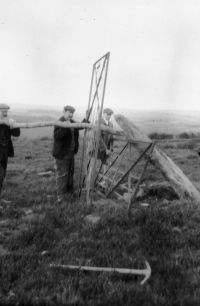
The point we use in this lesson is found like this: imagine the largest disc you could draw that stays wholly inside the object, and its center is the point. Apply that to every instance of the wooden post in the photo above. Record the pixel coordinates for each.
(81, 174)
(129, 177)
(98, 129)
(178, 180)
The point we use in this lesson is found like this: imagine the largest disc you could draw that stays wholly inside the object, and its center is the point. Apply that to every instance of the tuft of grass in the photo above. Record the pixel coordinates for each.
(156, 135)
(188, 135)
(189, 145)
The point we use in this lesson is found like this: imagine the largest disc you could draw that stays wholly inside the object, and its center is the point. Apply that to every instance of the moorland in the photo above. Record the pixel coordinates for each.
(35, 232)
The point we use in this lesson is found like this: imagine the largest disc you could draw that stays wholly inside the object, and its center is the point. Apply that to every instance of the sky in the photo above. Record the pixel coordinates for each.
(48, 47)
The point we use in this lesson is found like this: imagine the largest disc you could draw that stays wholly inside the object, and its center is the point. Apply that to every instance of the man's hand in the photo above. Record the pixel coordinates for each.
(85, 121)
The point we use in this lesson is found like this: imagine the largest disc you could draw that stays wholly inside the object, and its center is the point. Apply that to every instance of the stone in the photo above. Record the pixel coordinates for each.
(4, 222)
(27, 211)
(192, 277)
(92, 219)
(3, 251)
(144, 204)
(162, 190)
(140, 193)
(45, 174)
(32, 217)
(176, 229)
(45, 252)
(127, 196)
(6, 202)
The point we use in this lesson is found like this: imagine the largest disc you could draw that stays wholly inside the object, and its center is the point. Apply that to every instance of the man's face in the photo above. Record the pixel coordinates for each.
(107, 116)
(4, 113)
(68, 115)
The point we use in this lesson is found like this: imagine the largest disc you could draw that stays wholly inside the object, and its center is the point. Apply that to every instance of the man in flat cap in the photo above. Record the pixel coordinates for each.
(106, 138)
(65, 146)
(6, 145)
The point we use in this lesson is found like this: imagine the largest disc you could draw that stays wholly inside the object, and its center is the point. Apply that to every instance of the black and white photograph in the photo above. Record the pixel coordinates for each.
(100, 152)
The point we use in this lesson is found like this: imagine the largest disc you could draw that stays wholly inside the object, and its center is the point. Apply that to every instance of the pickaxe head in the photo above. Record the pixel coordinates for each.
(147, 273)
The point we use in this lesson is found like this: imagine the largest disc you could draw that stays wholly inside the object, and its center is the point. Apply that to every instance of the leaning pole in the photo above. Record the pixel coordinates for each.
(79, 125)
(178, 180)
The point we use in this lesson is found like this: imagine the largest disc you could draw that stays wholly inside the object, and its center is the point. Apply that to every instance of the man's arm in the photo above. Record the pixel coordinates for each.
(10, 122)
(83, 121)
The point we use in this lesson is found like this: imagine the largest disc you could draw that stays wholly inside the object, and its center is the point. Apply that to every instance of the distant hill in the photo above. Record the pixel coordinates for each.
(173, 122)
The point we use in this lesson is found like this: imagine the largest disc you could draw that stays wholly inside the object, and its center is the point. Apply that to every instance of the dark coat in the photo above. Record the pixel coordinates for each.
(5, 139)
(105, 142)
(62, 140)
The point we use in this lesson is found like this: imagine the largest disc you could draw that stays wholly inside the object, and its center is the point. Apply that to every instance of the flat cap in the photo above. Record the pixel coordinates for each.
(108, 111)
(69, 108)
(4, 106)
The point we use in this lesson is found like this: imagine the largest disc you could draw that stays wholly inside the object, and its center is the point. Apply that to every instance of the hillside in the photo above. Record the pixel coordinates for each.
(174, 122)
(36, 232)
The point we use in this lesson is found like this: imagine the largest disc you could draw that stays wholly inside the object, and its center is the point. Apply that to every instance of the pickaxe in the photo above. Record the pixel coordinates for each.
(146, 271)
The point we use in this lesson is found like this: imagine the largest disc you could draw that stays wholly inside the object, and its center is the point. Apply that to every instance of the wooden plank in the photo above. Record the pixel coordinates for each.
(179, 181)
(101, 194)
(134, 177)
(130, 175)
(119, 196)
(104, 177)
(27, 125)
(125, 186)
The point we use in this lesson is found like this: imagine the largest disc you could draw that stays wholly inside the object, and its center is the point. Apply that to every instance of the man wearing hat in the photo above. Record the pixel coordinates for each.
(106, 138)
(6, 145)
(65, 146)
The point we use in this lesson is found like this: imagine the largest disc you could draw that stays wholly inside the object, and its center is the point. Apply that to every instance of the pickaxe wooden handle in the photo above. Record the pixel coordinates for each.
(146, 271)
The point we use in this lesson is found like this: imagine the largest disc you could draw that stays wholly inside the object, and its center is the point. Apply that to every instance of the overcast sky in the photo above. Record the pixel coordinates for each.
(48, 47)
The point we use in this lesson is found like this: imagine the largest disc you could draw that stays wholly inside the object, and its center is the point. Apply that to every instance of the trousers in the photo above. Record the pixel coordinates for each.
(64, 175)
(3, 167)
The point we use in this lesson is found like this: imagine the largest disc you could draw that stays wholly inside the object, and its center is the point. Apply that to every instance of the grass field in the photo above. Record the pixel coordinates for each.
(35, 232)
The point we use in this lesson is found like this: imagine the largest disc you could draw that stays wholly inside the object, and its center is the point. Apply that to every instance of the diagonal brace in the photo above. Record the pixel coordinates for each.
(129, 170)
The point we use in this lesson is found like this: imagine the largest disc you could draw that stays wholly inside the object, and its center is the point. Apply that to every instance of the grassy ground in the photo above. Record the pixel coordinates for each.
(36, 231)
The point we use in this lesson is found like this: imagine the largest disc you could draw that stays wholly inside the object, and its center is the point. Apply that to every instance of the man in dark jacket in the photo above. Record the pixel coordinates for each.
(106, 138)
(65, 146)
(6, 145)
